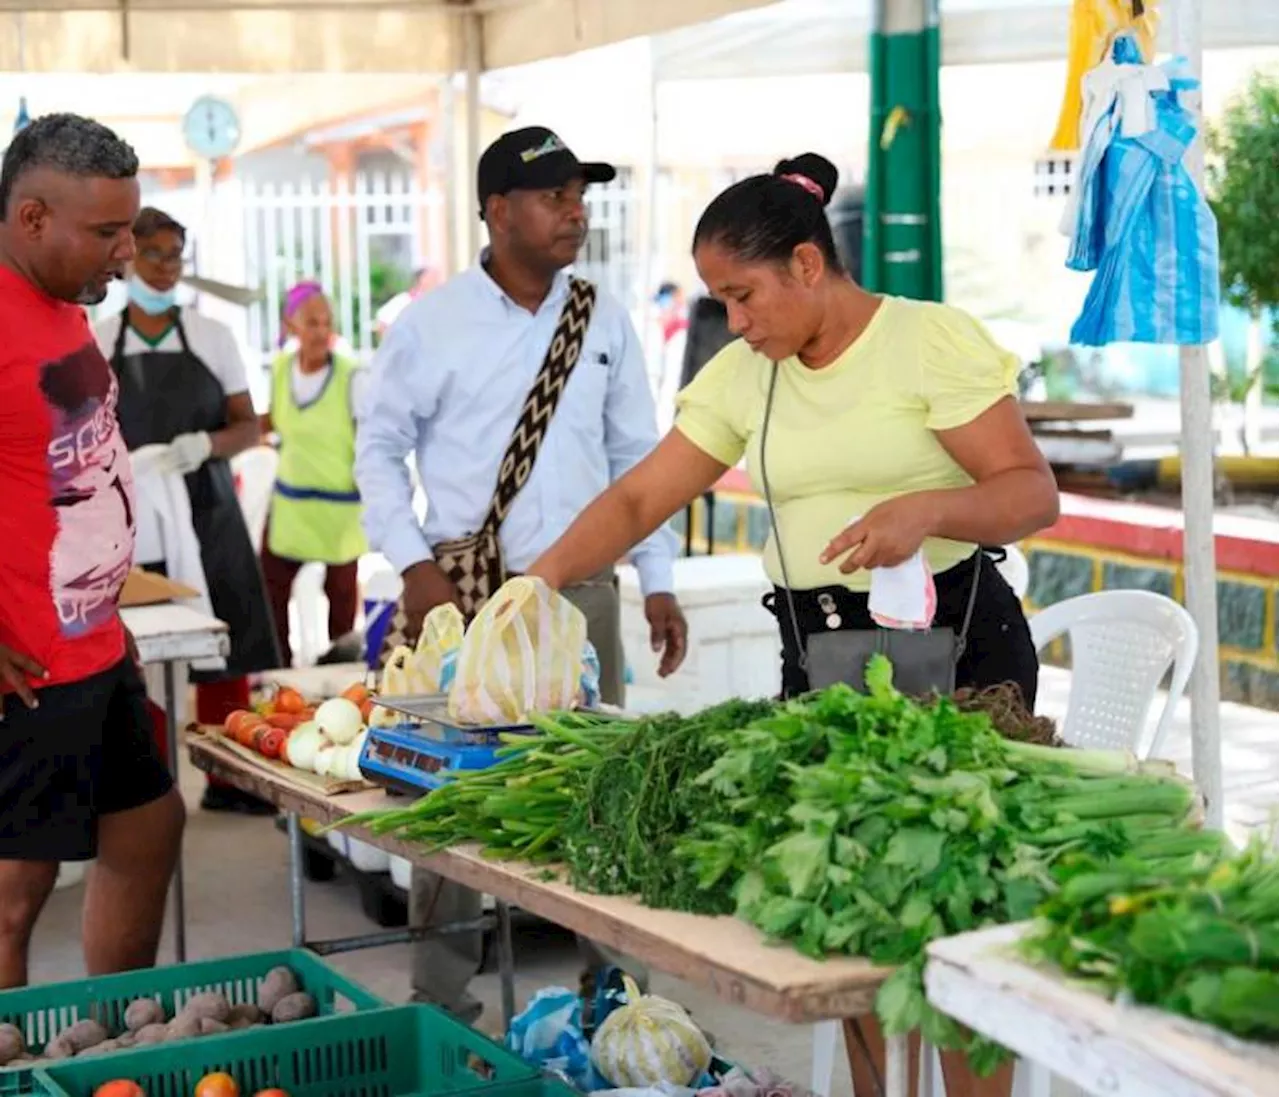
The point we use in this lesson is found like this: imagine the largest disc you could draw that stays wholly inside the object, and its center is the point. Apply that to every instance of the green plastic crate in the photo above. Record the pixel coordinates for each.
(41, 1012)
(400, 1051)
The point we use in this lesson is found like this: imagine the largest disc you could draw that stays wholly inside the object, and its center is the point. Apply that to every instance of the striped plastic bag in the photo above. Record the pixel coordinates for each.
(442, 633)
(521, 654)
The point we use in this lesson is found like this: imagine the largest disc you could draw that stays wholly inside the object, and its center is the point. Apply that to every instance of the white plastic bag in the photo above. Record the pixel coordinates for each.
(522, 653)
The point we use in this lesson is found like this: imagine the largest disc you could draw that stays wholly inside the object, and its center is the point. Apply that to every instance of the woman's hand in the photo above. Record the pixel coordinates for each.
(888, 534)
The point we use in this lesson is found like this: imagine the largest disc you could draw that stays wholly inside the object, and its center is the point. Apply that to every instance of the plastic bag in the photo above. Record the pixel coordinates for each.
(648, 1042)
(522, 654)
(548, 1034)
(442, 633)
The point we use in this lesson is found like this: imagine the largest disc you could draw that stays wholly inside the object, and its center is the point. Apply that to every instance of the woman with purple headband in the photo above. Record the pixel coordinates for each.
(315, 509)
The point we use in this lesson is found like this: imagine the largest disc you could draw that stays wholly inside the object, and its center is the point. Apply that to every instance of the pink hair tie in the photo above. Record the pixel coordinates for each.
(297, 296)
(808, 184)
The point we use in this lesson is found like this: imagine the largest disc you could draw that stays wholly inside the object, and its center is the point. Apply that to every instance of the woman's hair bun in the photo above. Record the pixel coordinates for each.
(812, 166)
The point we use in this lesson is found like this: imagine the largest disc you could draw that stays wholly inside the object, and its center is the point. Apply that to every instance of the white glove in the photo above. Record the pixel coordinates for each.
(188, 452)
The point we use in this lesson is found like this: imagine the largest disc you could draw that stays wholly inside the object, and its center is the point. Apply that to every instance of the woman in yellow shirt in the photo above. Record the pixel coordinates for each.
(899, 414)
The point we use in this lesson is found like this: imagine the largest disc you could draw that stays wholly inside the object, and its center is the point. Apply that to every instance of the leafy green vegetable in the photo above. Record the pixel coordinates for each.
(1199, 938)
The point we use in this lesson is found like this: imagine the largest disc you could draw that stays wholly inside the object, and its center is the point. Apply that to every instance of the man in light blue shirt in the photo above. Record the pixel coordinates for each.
(447, 386)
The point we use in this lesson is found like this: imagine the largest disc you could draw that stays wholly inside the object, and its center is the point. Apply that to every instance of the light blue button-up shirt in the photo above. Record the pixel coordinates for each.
(448, 384)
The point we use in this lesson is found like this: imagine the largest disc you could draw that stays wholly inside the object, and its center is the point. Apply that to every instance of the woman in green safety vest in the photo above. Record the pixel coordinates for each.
(315, 508)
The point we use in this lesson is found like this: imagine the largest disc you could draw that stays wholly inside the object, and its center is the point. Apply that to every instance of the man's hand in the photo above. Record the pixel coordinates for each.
(425, 587)
(14, 669)
(668, 631)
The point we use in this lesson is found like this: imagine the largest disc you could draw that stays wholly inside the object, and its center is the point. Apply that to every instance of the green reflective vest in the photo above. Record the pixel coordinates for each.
(315, 509)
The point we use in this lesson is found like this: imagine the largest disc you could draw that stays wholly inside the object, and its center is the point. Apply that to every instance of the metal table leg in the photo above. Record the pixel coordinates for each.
(171, 730)
(296, 897)
(506, 963)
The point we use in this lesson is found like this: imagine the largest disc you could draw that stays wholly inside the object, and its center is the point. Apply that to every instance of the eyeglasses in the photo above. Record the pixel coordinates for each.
(162, 258)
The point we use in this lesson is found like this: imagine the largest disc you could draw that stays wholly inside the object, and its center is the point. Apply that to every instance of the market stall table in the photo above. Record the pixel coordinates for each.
(168, 635)
(1105, 1047)
(724, 954)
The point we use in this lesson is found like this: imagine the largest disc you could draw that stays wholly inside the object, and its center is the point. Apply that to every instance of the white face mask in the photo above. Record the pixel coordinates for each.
(153, 302)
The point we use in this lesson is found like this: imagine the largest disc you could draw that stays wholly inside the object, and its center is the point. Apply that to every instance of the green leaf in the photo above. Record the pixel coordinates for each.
(779, 915)
(803, 860)
(916, 849)
(879, 679)
(900, 1003)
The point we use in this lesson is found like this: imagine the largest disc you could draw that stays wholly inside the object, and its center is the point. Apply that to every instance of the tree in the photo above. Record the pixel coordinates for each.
(1243, 188)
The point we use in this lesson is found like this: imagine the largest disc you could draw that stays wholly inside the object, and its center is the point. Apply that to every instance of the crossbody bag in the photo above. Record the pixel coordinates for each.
(474, 563)
(924, 662)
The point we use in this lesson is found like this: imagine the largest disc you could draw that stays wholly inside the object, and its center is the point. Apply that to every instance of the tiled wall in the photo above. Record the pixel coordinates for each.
(1248, 609)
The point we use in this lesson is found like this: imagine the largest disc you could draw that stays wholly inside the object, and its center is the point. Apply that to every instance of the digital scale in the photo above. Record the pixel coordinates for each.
(425, 751)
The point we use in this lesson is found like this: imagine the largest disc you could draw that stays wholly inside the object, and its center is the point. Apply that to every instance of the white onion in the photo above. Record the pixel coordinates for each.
(304, 741)
(339, 720)
(325, 758)
(355, 750)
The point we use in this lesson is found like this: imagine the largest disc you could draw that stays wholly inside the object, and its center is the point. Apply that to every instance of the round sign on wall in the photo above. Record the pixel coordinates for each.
(211, 128)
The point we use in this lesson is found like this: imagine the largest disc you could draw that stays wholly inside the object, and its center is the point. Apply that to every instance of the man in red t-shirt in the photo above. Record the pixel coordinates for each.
(80, 776)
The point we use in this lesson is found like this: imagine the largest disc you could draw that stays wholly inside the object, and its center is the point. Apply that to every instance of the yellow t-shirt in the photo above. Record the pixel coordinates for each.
(854, 433)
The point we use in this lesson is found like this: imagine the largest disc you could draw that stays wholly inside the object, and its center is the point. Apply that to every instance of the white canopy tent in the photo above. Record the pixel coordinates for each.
(330, 36)
(808, 37)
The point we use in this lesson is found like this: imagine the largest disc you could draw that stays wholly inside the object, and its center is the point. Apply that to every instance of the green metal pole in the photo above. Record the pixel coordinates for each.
(903, 229)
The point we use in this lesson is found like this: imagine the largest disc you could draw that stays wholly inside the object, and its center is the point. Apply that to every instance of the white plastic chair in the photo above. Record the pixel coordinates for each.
(1016, 570)
(256, 470)
(1123, 642)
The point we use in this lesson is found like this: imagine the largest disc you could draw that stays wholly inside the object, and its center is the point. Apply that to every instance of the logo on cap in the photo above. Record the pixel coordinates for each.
(550, 145)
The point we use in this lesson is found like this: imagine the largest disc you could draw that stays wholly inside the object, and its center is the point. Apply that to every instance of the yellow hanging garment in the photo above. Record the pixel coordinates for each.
(1094, 23)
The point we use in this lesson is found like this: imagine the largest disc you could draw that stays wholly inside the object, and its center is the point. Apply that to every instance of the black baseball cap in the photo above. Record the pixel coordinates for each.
(533, 158)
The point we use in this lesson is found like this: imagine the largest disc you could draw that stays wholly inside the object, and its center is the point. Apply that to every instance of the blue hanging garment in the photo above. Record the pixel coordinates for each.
(1137, 217)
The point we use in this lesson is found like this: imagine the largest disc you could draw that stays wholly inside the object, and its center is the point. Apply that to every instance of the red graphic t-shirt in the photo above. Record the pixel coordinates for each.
(67, 519)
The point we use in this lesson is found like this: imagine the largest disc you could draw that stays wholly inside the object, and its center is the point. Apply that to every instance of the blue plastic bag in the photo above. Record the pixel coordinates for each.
(548, 1034)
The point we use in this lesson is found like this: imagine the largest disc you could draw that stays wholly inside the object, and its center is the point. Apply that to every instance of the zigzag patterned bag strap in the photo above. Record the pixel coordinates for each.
(544, 396)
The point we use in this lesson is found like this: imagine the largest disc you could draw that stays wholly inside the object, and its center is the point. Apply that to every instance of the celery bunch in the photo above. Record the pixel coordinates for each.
(1201, 940)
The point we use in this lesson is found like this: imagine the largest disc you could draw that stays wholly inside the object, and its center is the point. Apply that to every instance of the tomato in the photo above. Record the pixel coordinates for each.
(285, 720)
(237, 719)
(271, 1093)
(366, 709)
(271, 742)
(289, 700)
(217, 1085)
(121, 1087)
(247, 731)
(357, 694)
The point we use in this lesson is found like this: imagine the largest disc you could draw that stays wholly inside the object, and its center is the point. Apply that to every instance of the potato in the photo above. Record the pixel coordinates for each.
(143, 1012)
(210, 1027)
(127, 1039)
(60, 1048)
(209, 1004)
(102, 1048)
(84, 1034)
(185, 1026)
(11, 1044)
(244, 1015)
(151, 1034)
(296, 1007)
(279, 983)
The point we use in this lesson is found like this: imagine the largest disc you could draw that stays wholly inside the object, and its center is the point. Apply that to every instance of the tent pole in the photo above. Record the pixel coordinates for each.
(1199, 562)
(650, 219)
(472, 60)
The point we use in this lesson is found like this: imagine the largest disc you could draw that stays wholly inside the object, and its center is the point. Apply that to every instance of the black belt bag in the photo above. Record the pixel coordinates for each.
(924, 662)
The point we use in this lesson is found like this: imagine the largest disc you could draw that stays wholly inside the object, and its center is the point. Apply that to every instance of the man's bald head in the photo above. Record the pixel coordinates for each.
(68, 197)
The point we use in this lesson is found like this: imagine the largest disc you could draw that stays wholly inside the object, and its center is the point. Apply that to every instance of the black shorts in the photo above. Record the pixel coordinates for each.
(88, 750)
(999, 648)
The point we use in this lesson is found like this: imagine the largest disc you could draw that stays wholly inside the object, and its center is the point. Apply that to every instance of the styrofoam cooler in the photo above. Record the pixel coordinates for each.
(401, 872)
(362, 856)
(734, 649)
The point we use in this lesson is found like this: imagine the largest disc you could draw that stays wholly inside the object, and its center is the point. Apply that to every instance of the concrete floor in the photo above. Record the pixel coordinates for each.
(236, 873)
